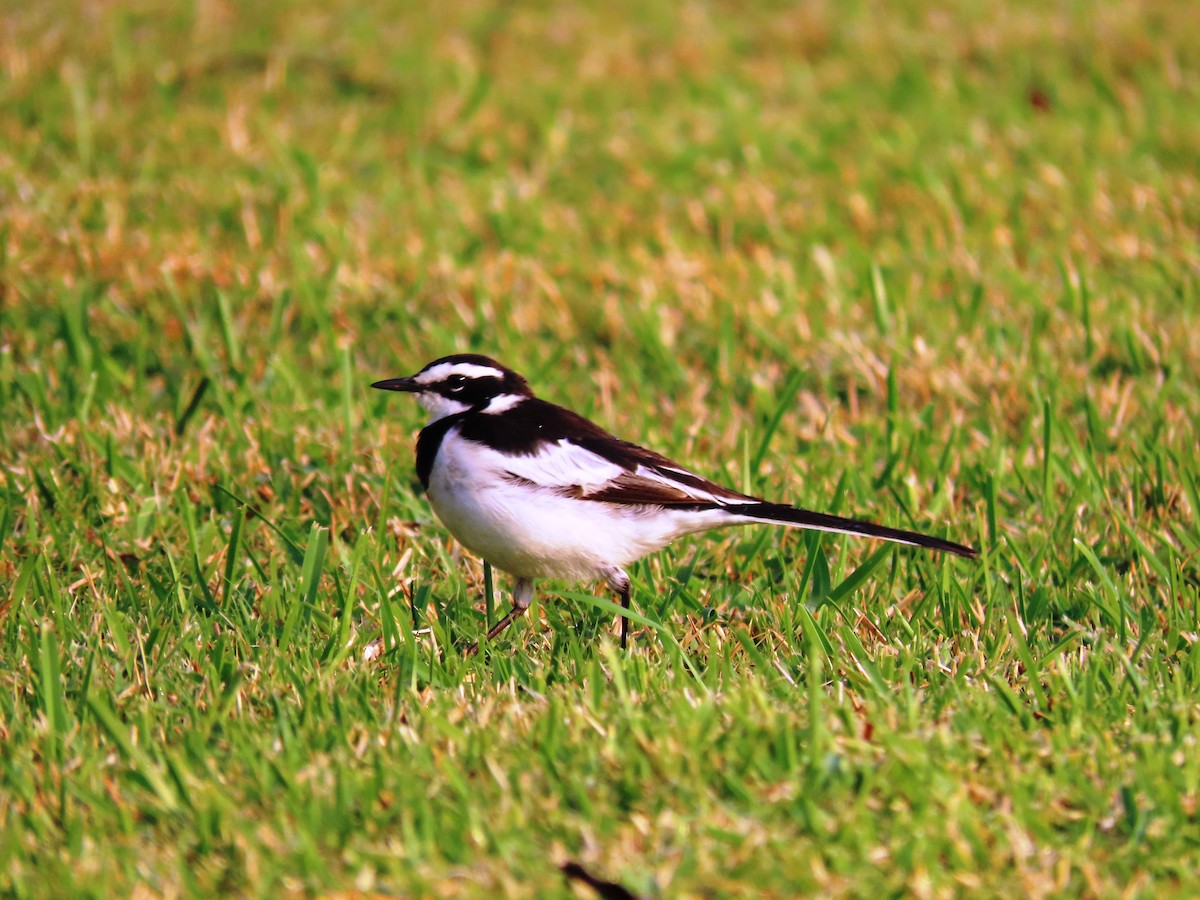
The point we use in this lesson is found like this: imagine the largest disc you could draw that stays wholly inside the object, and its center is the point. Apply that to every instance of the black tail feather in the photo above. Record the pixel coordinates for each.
(803, 518)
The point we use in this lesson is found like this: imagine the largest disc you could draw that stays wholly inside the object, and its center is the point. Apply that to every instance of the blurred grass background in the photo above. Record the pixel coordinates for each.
(930, 264)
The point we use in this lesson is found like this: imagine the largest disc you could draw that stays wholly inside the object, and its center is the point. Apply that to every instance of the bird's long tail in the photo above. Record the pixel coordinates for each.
(803, 518)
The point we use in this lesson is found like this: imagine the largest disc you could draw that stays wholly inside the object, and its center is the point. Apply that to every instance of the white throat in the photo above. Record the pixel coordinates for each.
(439, 407)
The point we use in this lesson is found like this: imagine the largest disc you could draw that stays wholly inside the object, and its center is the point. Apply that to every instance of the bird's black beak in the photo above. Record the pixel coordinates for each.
(398, 384)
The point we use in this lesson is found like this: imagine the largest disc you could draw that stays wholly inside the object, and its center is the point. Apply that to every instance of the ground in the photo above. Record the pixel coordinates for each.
(933, 265)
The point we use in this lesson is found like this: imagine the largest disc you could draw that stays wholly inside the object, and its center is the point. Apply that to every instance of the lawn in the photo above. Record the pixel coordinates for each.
(936, 265)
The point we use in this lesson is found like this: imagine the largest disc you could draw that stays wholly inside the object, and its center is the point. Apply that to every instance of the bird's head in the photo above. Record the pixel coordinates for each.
(454, 384)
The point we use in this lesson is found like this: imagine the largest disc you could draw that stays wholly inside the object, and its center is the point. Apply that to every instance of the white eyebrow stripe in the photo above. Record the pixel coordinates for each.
(442, 371)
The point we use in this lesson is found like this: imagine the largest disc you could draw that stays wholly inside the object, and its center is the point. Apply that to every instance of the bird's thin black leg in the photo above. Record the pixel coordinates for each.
(625, 619)
(619, 582)
(522, 597)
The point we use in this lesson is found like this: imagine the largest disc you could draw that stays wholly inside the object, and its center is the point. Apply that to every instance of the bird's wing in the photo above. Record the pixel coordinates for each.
(653, 482)
(561, 465)
(616, 473)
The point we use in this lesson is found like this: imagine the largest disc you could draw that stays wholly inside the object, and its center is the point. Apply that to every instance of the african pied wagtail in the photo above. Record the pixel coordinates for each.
(540, 492)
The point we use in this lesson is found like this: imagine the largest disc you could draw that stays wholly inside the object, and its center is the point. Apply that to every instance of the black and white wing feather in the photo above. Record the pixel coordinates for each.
(544, 446)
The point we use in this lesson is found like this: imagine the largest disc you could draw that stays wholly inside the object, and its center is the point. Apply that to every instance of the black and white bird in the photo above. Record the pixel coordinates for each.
(539, 491)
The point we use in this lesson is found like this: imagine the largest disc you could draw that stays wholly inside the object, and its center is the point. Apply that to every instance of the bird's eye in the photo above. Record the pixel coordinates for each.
(456, 382)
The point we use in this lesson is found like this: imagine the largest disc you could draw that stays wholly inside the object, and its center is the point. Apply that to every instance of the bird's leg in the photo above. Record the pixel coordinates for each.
(619, 582)
(522, 597)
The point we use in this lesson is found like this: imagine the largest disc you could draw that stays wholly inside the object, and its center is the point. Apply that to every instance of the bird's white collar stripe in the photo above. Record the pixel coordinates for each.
(502, 403)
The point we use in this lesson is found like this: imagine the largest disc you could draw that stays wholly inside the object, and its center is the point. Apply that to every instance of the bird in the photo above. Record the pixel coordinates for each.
(539, 491)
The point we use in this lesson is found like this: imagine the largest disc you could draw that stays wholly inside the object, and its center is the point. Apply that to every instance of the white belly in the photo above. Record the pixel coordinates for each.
(534, 533)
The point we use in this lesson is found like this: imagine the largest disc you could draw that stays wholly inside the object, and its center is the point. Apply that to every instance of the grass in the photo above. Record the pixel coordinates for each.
(936, 266)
